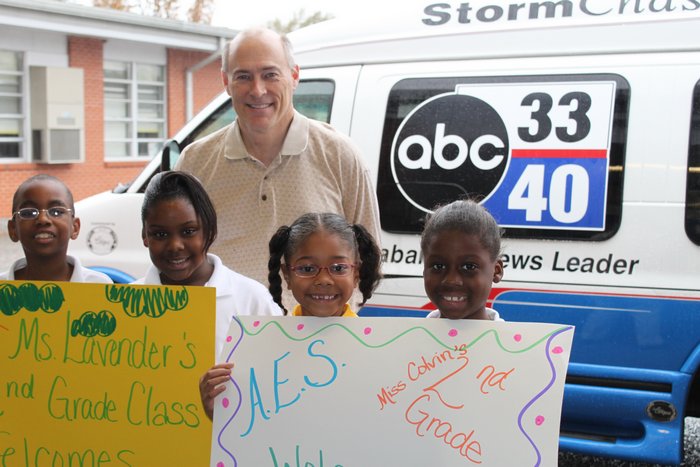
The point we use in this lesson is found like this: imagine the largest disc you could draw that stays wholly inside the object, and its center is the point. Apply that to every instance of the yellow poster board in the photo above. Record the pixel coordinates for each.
(104, 375)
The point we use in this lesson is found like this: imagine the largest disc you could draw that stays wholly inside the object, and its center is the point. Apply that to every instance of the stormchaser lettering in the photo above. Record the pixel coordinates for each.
(438, 14)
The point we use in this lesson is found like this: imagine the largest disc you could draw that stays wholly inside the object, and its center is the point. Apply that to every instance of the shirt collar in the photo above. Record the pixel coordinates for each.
(347, 311)
(295, 141)
(217, 279)
(77, 275)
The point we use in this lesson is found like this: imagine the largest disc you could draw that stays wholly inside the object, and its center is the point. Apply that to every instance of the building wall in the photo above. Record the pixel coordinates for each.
(206, 85)
(95, 175)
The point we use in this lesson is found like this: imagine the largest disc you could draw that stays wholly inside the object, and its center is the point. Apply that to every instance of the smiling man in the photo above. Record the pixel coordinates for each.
(273, 164)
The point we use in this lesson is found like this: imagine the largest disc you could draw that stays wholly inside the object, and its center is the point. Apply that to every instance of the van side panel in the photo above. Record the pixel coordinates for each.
(633, 295)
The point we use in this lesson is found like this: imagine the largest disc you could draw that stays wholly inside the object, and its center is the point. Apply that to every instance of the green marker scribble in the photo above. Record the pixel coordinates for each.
(137, 301)
(92, 324)
(9, 300)
(30, 296)
(397, 337)
(49, 298)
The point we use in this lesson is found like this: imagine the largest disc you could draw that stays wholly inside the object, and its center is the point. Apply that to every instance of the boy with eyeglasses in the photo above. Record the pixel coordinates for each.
(43, 221)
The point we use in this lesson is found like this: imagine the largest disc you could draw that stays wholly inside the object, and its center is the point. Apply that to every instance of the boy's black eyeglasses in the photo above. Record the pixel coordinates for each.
(313, 270)
(28, 214)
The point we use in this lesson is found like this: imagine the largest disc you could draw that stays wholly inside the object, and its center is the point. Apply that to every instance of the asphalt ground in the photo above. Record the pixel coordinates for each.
(10, 251)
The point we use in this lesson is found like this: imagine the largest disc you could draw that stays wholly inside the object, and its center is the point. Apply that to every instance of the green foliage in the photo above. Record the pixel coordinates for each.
(298, 20)
(200, 11)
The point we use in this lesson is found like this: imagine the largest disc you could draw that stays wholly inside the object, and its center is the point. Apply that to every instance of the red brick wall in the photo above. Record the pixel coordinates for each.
(206, 85)
(94, 175)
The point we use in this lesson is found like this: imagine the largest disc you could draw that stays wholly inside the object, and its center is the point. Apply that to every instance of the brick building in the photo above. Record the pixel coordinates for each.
(89, 94)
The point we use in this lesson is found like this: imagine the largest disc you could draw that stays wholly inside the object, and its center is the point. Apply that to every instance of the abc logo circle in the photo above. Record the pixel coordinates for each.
(450, 146)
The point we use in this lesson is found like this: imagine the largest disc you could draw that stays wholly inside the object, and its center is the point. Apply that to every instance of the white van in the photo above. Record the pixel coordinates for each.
(578, 123)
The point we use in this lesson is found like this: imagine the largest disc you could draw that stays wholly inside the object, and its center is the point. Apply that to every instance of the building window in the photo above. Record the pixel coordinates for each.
(11, 105)
(134, 109)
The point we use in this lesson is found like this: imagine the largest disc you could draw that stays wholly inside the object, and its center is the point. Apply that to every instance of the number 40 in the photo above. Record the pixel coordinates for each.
(568, 186)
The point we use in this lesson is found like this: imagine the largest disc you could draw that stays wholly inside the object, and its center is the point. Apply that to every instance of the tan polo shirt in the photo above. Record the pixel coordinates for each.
(318, 170)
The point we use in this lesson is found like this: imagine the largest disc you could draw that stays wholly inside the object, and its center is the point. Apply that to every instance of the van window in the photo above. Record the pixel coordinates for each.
(312, 98)
(692, 200)
(545, 154)
(315, 99)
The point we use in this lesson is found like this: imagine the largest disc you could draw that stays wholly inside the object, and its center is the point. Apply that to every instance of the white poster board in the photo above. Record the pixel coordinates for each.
(364, 392)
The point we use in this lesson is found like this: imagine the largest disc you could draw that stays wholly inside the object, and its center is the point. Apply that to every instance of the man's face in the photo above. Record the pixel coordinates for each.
(261, 83)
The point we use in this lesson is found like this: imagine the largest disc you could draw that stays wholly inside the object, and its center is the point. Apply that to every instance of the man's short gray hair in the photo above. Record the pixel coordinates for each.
(286, 46)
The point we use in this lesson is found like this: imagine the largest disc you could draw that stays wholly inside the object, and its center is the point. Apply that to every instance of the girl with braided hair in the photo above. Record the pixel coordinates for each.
(323, 259)
(179, 226)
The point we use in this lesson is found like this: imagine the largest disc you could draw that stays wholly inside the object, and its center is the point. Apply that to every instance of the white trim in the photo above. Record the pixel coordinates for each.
(123, 51)
(104, 23)
(62, 8)
(95, 29)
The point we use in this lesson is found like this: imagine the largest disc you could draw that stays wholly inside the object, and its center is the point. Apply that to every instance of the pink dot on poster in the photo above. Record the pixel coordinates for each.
(557, 349)
(368, 330)
(300, 327)
(256, 324)
(517, 337)
(229, 339)
(452, 333)
(219, 464)
(539, 420)
(224, 402)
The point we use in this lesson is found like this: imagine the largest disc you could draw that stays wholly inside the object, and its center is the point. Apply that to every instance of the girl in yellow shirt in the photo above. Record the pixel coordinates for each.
(325, 260)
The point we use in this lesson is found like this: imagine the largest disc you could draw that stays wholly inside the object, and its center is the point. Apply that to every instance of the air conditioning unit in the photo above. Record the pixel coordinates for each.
(57, 114)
